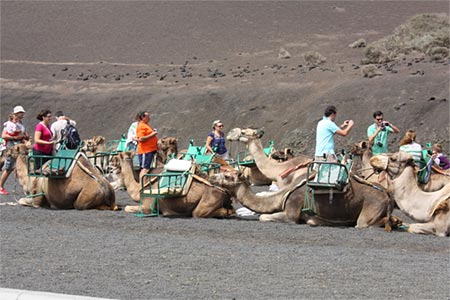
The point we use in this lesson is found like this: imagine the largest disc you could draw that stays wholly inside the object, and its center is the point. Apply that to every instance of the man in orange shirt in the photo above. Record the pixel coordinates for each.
(147, 143)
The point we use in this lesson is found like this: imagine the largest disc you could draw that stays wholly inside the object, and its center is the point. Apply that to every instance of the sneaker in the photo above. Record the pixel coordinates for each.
(3, 191)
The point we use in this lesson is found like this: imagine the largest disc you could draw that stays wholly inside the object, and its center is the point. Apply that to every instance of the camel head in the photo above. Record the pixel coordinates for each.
(228, 179)
(282, 155)
(19, 149)
(168, 145)
(392, 163)
(93, 144)
(360, 148)
(244, 135)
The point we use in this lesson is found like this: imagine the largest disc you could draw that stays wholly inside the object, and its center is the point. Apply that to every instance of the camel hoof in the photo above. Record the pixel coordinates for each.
(131, 209)
(26, 201)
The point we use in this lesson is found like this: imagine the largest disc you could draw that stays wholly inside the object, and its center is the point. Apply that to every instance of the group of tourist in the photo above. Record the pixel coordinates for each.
(377, 134)
(142, 137)
(47, 138)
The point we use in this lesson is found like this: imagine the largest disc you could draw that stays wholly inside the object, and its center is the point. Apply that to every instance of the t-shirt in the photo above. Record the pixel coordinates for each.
(218, 143)
(149, 145)
(325, 136)
(13, 129)
(380, 143)
(414, 149)
(131, 133)
(46, 135)
(57, 127)
(442, 161)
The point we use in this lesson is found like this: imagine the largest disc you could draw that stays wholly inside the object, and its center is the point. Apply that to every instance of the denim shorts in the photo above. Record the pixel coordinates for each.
(9, 163)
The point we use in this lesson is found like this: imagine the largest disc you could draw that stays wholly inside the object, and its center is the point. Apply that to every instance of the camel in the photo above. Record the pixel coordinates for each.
(202, 201)
(431, 209)
(84, 189)
(360, 204)
(362, 150)
(255, 176)
(269, 168)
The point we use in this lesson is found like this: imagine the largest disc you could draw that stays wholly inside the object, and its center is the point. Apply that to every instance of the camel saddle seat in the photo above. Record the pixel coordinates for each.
(174, 181)
(246, 160)
(58, 166)
(329, 176)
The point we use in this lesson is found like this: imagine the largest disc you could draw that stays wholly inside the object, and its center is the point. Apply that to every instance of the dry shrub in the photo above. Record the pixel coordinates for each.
(314, 58)
(427, 33)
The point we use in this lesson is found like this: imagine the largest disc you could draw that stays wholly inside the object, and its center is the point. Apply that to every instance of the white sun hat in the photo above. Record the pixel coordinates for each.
(18, 109)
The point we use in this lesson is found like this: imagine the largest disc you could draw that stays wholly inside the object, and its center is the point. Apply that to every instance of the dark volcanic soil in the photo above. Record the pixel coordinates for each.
(189, 63)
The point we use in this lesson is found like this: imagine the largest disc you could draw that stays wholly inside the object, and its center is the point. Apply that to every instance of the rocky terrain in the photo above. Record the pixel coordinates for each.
(188, 63)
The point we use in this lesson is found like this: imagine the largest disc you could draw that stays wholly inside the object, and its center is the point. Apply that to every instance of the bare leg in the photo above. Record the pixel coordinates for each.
(5, 175)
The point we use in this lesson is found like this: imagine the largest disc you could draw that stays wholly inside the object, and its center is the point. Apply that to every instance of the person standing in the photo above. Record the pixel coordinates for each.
(326, 129)
(378, 133)
(147, 143)
(216, 140)
(43, 142)
(59, 125)
(131, 143)
(9, 164)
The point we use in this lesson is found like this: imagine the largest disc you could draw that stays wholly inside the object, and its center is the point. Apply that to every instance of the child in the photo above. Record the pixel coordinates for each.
(439, 158)
(12, 127)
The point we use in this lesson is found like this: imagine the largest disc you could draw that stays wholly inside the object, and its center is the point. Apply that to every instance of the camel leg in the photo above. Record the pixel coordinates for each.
(218, 213)
(275, 217)
(36, 202)
(440, 226)
(372, 214)
(423, 228)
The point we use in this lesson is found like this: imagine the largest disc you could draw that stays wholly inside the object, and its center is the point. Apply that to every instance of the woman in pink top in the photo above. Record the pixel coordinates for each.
(43, 138)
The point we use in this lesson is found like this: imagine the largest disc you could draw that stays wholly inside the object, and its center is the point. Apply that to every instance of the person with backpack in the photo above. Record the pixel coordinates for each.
(60, 125)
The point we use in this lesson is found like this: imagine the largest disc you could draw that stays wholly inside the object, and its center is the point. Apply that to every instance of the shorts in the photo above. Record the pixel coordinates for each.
(146, 159)
(10, 162)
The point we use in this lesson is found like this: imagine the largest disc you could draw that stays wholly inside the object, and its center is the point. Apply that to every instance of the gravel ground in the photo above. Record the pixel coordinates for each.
(117, 255)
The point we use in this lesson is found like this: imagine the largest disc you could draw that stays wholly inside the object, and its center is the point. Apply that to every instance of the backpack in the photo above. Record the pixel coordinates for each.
(70, 136)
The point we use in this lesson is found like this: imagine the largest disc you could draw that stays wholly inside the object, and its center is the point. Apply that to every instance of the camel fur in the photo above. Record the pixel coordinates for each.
(268, 167)
(201, 201)
(363, 151)
(359, 205)
(84, 189)
(431, 209)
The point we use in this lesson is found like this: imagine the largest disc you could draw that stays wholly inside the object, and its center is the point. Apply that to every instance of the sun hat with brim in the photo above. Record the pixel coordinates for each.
(18, 109)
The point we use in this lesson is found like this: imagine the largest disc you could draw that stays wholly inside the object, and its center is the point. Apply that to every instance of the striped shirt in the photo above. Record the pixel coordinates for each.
(414, 149)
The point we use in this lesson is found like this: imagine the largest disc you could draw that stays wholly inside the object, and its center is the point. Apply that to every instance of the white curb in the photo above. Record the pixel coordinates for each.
(11, 294)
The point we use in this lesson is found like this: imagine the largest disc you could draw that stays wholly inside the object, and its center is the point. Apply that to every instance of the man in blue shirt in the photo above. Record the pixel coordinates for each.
(326, 129)
(378, 133)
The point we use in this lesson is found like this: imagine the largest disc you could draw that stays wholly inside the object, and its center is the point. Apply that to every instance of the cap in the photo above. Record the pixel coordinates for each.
(59, 113)
(215, 123)
(18, 109)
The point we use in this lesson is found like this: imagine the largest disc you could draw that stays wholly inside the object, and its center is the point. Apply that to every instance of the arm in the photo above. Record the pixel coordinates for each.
(8, 137)
(208, 144)
(347, 125)
(146, 137)
(394, 128)
(372, 137)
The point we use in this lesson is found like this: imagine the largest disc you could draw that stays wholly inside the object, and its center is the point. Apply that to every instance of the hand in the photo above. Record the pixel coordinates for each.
(349, 122)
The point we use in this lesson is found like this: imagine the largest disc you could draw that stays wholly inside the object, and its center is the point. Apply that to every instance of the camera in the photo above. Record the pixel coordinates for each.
(379, 144)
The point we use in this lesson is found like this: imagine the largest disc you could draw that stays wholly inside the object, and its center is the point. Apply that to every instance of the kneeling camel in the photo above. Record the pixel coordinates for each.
(361, 205)
(84, 189)
(202, 200)
(432, 209)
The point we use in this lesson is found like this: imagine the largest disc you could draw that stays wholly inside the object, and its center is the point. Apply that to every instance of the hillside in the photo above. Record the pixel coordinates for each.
(188, 65)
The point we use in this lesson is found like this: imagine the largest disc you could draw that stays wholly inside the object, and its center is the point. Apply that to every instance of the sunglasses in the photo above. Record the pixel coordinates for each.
(219, 126)
(379, 119)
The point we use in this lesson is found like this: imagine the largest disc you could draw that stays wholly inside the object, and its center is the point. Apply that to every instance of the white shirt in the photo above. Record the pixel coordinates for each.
(57, 127)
